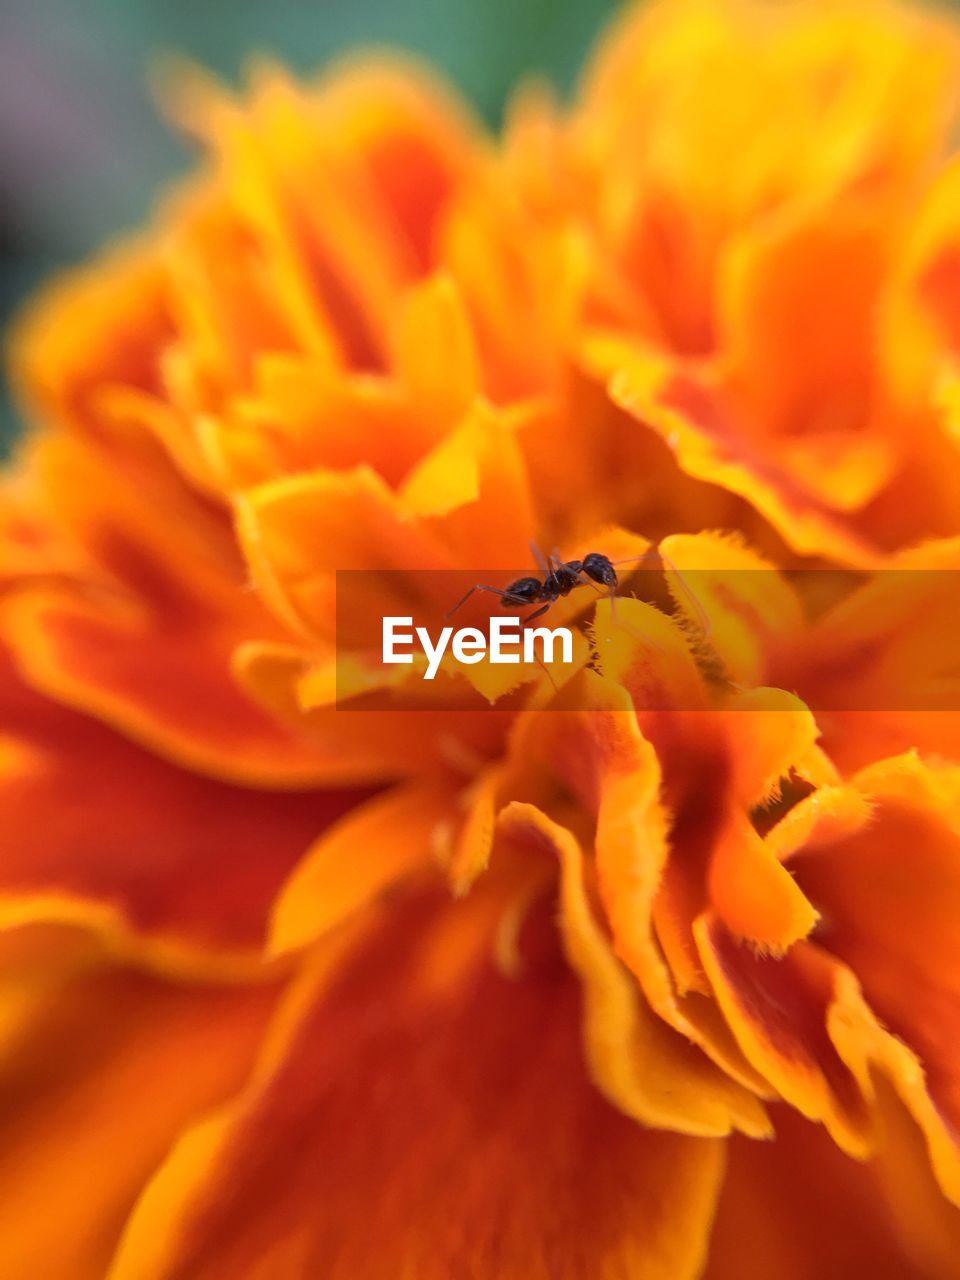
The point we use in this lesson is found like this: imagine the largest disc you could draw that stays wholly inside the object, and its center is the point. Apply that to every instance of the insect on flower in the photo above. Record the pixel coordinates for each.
(560, 577)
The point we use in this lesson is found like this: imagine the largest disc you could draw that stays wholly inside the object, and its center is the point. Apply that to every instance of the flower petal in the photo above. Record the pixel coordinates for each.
(890, 897)
(710, 444)
(715, 765)
(297, 532)
(464, 486)
(798, 1207)
(94, 1088)
(602, 757)
(735, 596)
(643, 1066)
(428, 1102)
(436, 356)
(772, 306)
(777, 1007)
(388, 839)
(754, 894)
(142, 637)
(97, 830)
(878, 666)
(880, 1060)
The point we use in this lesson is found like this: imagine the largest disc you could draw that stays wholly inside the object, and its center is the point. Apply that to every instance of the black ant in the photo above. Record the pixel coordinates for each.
(560, 578)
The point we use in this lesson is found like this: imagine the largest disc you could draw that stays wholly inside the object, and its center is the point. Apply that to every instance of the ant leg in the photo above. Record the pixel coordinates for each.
(462, 601)
(481, 586)
(537, 613)
(584, 581)
(547, 672)
(542, 564)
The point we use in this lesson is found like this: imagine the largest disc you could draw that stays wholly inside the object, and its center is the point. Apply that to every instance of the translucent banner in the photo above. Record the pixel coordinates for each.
(838, 640)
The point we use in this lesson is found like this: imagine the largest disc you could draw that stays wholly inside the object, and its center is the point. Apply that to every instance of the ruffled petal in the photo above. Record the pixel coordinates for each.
(176, 867)
(104, 661)
(356, 743)
(710, 444)
(798, 1207)
(602, 757)
(878, 667)
(716, 764)
(831, 1018)
(96, 1086)
(890, 895)
(734, 597)
(644, 1067)
(413, 1081)
(297, 532)
(777, 1008)
(142, 635)
(386, 840)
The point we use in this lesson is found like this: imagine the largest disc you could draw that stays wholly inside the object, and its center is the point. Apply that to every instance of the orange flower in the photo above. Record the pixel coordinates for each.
(698, 240)
(646, 968)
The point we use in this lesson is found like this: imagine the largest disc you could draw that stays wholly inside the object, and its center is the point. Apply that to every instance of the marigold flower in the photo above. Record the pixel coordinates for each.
(649, 968)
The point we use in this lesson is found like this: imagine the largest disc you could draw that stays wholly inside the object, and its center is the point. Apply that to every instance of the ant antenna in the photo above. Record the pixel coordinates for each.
(696, 608)
(703, 618)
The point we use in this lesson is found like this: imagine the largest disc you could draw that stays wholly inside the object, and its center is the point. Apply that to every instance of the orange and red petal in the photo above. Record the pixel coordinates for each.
(383, 842)
(890, 895)
(402, 1125)
(777, 1007)
(798, 1207)
(97, 830)
(162, 684)
(103, 1066)
(142, 634)
(710, 442)
(641, 1064)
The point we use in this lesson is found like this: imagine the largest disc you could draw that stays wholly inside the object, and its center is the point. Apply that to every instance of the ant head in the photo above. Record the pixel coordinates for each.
(598, 567)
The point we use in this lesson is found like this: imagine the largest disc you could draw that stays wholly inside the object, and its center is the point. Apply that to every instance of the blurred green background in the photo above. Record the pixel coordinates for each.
(83, 150)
